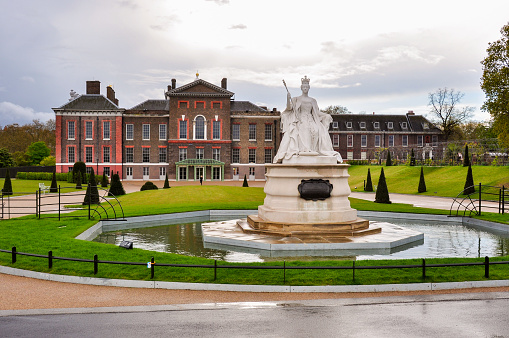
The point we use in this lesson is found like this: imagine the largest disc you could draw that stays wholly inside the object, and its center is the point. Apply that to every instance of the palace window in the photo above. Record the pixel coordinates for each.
(216, 130)
(182, 154)
(71, 155)
(199, 153)
(364, 140)
(404, 140)
(199, 131)
(162, 155)
(145, 155)
(162, 131)
(349, 140)
(268, 155)
(268, 132)
(235, 155)
(71, 130)
(391, 140)
(419, 140)
(89, 156)
(335, 140)
(236, 132)
(252, 132)
(146, 132)
(106, 154)
(252, 156)
(106, 130)
(88, 130)
(377, 140)
(129, 131)
(182, 129)
(129, 155)
(216, 154)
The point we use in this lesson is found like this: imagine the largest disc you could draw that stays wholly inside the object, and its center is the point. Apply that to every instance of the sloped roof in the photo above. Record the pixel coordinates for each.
(89, 102)
(243, 106)
(185, 90)
(153, 105)
(414, 123)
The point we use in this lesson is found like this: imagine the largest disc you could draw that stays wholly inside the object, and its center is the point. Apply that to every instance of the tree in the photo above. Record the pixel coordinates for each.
(104, 181)
(92, 194)
(466, 157)
(5, 158)
(422, 183)
(17, 138)
(335, 110)
(495, 84)
(21, 159)
(244, 184)
(445, 110)
(369, 184)
(81, 168)
(53, 187)
(388, 162)
(382, 194)
(166, 183)
(37, 151)
(469, 187)
(412, 158)
(116, 187)
(48, 161)
(7, 189)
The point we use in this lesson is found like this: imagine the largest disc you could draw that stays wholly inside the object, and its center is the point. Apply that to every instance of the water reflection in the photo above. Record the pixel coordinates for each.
(440, 240)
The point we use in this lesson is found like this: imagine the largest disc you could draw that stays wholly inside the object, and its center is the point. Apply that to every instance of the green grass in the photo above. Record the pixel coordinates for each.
(23, 187)
(39, 236)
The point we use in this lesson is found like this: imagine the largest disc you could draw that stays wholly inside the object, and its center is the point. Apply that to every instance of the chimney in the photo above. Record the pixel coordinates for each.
(410, 112)
(93, 87)
(223, 83)
(110, 94)
(173, 83)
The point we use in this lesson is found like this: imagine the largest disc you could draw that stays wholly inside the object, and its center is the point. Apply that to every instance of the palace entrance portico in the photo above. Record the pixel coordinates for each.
(192, 169)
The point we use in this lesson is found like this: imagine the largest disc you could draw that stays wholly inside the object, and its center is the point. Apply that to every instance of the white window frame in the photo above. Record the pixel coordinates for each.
(378, 140)
(145, 155)
(420, 140)
(362, 125)
(404, 140)
(404, 125)
(71, 132)
(182, 154)
(183, 129)
(335, 124)
(268, 155)
(129, 129)
(216, 154)
(235, 132)
(89, 132)
(216, 130)
(106, 154)
(235, 155)
(376, 125)
(252, 132)
(251, 155)
(162, 132)
(106, 131)
(163, 152)
(200, 153)
(349, 141)
(89, 156)
(364, 140)
(268, 132)
(391, 140)
(127, 155)
(145, 132)
(199, 117)
(335, 140)
(69, 153)
(349, 125)
(390, 125)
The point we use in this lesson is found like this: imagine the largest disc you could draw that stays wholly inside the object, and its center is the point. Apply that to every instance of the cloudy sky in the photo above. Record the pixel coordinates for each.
(370, 56)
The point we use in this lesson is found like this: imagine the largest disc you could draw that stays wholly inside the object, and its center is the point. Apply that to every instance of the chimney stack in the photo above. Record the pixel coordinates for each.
(110, 94)
(223, 83)
(410, 112)
(94, 87)
(173, 83)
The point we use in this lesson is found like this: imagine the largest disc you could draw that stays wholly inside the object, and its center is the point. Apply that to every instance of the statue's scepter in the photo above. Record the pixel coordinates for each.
(291, 103)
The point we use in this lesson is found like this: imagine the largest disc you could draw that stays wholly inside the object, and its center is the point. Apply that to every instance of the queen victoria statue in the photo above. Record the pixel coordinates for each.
(305, 129)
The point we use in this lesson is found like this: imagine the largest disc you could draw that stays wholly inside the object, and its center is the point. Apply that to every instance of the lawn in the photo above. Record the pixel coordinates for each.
(23, 187)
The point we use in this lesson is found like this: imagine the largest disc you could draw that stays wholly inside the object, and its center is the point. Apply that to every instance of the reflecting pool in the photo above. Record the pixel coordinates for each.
(440, 240)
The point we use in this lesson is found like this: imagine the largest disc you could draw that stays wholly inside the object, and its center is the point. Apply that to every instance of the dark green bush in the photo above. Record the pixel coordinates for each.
(116, 187)
(382, 193)
(7, 189)
(245, 182)
(148, 186)
(369, 183)
(92, 194)
(422, 183)
(469, 187)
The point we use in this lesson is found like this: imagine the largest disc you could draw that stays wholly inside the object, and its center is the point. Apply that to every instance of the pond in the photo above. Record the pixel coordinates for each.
(440, 240)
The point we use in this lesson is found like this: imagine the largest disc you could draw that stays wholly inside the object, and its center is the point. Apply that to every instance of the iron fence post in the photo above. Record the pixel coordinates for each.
(95, 265)
(284, 272)
(215, 269)
(50, 259)
(87, 195)
(36, 206)
(487, 267)
(480, 196)
(39, 202)
(503, 199)
(353, 270)
(13, 254)
(59, 202)
(423, 268)
(152, 268)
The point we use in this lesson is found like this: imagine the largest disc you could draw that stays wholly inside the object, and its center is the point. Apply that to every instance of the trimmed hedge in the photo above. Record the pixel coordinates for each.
(41, 176)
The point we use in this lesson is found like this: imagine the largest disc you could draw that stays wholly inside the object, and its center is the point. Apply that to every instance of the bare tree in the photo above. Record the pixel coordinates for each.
(335, 110)
(445, 110)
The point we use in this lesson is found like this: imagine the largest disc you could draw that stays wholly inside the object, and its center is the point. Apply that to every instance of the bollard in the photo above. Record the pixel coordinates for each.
(50, 259)
(486, 267)
(95, 265)
(13, 254)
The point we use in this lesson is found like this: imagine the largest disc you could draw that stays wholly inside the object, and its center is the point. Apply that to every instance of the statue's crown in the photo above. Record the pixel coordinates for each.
(305, 80)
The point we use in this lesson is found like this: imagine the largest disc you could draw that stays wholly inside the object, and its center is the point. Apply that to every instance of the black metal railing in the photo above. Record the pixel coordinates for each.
(483, 197)
(151, 264)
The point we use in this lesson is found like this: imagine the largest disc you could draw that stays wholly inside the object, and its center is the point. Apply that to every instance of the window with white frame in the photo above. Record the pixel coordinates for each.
(235, 155)
(216, 130)
(268, 132)
(268, 155)
(182, 173)
(71, 155)
(364, 140)
(146, 172)
(88, 130)
(252, 156)
(363, 155)
(106, 171)
(420, 139)
(162, 131)
(349, 125)
(199, 153)
(129, 155)
(88, 170)
(252, 132)
(251, 171)
(377, 140)
(162, 171)
(335, 140)
(362, 125)
(349, 141)
(106, 130)
(145, 132)
(71, 131)
(376, 125)
(162, 155)
(106, 154)
(199, 128)
(391, 140)
(129, 131)
(216, 173)
(236, 132)
(216, 154)
(129, 172)
(145, 155)
(390, 125)
(182, 129)
(335, 124)
(404, 125)
(434, 140)
(404, 140)
(89, 156)
(182, 154)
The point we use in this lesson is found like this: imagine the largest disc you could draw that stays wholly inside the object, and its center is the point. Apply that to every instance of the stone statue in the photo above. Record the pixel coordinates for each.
(305, 128)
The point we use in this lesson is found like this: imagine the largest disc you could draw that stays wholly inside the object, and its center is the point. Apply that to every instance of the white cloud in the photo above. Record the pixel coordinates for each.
(238, 26)
(11, 113)
(28, 79)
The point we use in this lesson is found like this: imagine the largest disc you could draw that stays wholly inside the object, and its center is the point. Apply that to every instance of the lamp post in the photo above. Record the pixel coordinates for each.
(97, 166)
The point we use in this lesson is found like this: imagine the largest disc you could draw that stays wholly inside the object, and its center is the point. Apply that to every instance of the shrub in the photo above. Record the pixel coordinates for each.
(104, 181)
(77, 179)
(388, 162)
(166, 183)
(53, 187)
(92, 194)
(245, 182)
(148, 186)
(382, 194)
(422, 183)
(369, 184)
(7, 189)
(80, 167)
(469, 183)
(412, 158)
(466, 157)
(116, 187)
(21, 175)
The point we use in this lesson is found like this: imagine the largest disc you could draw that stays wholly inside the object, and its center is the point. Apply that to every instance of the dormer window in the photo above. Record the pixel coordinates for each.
(390, 125)
(425, 125)
(362, 125)
(376, 125)
(404, 125)
(335, 125)
(349, 125)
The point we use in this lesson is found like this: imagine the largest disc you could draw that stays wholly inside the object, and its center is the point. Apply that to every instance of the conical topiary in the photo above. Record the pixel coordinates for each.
(469, 183)
(412, 158)
(77, 179)
(382, 194)
(53, 187)
(7, 189)
(369, 184)
(388, 162)
(466, 157)
(92, 194)
(116, 187)
(245, 182)
(166, 183)
(422, 183)
(104, 181)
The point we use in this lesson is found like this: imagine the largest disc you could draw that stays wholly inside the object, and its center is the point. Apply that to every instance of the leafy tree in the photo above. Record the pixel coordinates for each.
(369, 184)
(37, 151)
(17, 138)
(422, 183)
(48, 161)
(104, 181)
(53, 187)
(245, 182)
(79, 167)
(7, 189)
(166, 183)
(388, 162)
(412, 158)
(92, 194)
(335, 110)
(5, 158)
(382, 194)
(495, 84)
(445, 110)
(469, 183)
(148, 186)
(466, 157)
(116, 187)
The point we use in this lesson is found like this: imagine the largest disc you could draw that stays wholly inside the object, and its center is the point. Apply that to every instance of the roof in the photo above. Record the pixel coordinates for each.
(153, 105)
(382, 123)
(204, 89)
(90, 102)
(243, 106)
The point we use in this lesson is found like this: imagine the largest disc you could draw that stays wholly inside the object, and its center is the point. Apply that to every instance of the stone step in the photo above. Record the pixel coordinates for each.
(257, 222)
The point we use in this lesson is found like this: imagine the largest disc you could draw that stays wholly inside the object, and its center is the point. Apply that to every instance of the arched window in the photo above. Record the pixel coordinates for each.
(199, 128)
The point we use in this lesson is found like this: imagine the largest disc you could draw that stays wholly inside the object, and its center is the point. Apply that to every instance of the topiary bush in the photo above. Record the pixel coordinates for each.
(92, 194)
(80, 167)
(148, 186)
(104, 181)
(53, 187)
(422, 183)
(369, 184)
(382, 194)
(7, 189)
(412, 158)
(469, 187)
(466, 157)
(166, 183)
(116, 187)
(245, 182)
(388, 162)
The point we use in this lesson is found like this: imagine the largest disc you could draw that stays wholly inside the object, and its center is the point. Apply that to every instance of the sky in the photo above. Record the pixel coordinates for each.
(369, 56)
